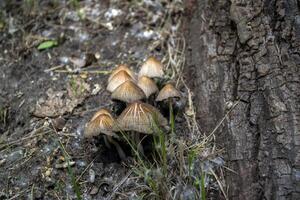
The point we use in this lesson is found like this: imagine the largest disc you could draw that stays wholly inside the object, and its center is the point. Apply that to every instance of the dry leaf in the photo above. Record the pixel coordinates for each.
(60, 102)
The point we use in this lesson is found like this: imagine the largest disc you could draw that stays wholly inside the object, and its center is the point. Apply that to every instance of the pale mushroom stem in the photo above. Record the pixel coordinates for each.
(106, 142)
(118, 147)
(119, 106)
(138, 143)
(151, 100)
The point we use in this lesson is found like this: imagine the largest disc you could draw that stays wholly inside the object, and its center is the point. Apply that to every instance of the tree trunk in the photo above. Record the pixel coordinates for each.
(249, 50)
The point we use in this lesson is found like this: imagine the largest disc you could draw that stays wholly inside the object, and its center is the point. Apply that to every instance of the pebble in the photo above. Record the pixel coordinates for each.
(48, 172)
(59, 123)
(92, 175)
(64, 165)
(94, 190)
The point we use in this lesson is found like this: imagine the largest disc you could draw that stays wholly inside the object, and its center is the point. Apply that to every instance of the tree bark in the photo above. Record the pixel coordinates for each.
(249, 50)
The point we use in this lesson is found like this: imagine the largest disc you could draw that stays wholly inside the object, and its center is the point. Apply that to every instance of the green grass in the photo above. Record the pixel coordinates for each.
(74, 3)
(161, 148)
(75, 185)
(160, 174)
(203, 192)
(3, 115)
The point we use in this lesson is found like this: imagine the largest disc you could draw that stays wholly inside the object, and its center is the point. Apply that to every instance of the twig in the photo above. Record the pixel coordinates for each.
(54, 68)
(89, 72)
(79, 177)
(231, 170)
(118, 185)
(219, 182)
(218, 125)
(19, 194)
(31, 193)
(22, 139)
(15, 165)
(223, 119)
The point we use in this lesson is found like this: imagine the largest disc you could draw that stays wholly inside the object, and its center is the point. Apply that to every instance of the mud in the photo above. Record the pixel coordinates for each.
(115, 32)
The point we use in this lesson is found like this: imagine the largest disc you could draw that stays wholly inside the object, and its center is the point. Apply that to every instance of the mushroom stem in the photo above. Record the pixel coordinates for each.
(106, 142)
(118, 147)
(171, 117)
(138, 143)
(151, 100)
(118, 106)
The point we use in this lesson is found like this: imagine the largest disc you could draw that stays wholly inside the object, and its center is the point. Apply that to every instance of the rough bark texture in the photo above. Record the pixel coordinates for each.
(249, 50)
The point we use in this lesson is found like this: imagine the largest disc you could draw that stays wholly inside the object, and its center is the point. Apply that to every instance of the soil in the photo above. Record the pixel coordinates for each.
(32, 162)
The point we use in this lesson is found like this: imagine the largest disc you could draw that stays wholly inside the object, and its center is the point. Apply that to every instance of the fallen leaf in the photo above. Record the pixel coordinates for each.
(47, 44)
(59, 103)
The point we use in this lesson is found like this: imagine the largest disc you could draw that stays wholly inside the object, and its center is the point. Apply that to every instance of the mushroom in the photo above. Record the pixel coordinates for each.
(119, 78)
(141, 118)
(169, 92)
(152, 68)
(103, 122)
(128, 92)
(147, 85)
(122, 68)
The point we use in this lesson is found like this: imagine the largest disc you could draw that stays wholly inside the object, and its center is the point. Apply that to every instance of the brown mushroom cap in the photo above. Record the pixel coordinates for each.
(168, 91)
(119, 78)
(140, 117)
(122, 68)
(101, 122)
(152, 68)
(101, 112)
(128, 92)
(147, 85)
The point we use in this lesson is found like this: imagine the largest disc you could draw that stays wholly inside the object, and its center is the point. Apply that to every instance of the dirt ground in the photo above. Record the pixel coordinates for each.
(117, 32)
(47, 96)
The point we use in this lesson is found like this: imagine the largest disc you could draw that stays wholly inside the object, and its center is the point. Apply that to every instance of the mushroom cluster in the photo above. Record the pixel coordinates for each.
(134, 103)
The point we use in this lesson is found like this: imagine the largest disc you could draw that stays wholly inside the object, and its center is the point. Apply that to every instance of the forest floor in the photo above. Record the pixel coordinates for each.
(49, 92)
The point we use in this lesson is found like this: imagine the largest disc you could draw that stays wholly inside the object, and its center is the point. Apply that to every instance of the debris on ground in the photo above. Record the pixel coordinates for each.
(59, 103)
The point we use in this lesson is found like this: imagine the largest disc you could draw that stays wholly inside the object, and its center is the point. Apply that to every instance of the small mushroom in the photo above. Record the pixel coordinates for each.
(152, 68)
(122, 68)
(119, 78)
(103, 122)
(169, 92)
(147, 85)
(141, 118)
(128, 92)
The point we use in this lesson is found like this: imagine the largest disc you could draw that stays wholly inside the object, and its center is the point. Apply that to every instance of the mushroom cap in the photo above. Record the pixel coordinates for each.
(122, 68)
(101, 122)
(147, 85)
(152, 68)
(140, 117)
(128, 92)
(119, 78)
(100, 112)
(168, 91)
